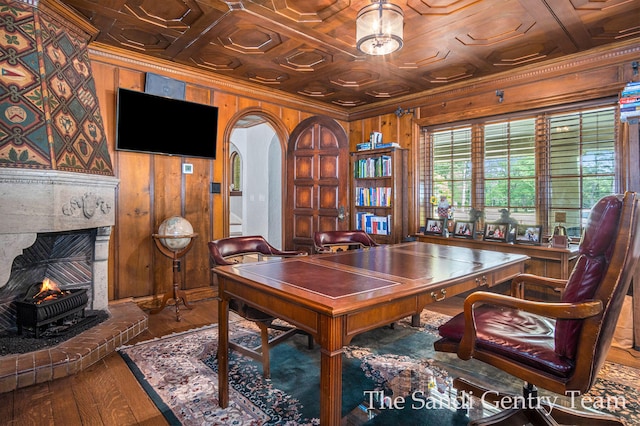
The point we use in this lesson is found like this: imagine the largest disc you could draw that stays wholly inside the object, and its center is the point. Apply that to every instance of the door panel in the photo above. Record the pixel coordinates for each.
(318, 181)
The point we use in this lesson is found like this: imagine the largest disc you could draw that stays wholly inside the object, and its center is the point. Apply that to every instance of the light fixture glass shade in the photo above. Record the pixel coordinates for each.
(379, 28)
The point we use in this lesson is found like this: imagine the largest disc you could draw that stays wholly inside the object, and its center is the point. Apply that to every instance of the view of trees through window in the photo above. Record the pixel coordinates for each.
(452, 168)
(510, 170)
(533, 167)
(581, 163)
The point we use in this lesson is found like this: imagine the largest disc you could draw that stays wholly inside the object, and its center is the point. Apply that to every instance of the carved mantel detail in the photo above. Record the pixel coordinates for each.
(88, 204)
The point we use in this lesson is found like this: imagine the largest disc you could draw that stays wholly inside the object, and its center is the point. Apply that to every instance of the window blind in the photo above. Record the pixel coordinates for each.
(581, 163)
(510, 170)
(452, 168)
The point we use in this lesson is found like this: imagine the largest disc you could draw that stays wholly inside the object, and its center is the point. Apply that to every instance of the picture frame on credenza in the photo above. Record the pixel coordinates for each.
(464, 229)
(528, 234)
(435, 226)
(496, 232)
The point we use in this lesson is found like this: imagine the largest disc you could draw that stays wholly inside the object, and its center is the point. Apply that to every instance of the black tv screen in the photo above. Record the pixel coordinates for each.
(159, 125)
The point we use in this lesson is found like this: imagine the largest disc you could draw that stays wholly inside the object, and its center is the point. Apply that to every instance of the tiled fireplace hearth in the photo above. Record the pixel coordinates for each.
(76, 354)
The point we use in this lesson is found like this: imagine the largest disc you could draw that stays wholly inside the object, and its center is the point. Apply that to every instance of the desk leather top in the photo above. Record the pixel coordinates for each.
(383, 269)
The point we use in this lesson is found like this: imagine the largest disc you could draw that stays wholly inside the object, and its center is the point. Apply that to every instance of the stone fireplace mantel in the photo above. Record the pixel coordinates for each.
(42, 201)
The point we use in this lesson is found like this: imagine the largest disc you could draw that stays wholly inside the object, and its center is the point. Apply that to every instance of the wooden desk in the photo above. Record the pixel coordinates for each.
(545, 261)
(337, 296)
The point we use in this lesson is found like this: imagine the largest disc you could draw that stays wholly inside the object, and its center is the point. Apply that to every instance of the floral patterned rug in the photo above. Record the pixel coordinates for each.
(179, 372)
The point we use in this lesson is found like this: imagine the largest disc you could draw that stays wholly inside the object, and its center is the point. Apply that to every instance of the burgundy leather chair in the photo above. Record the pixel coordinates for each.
(328, 241)
(228, 251)
(556, 346)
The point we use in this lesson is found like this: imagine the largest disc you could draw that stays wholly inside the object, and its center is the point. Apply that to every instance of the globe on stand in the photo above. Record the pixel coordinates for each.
(178, 229)
(174, 239)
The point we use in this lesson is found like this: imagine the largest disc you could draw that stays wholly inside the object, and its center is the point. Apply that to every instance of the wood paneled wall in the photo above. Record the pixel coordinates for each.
(599, 73)
(152, 187)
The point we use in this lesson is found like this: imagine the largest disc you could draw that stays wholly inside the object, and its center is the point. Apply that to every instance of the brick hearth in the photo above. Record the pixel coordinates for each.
(126, 321)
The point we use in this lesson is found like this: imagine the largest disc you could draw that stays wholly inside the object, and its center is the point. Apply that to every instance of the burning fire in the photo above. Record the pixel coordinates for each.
(49, 290)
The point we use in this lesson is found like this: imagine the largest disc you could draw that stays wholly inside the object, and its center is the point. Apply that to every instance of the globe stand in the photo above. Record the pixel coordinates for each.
(178, 295)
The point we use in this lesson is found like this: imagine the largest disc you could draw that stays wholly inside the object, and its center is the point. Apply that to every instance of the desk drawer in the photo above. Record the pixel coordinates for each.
(505, 274)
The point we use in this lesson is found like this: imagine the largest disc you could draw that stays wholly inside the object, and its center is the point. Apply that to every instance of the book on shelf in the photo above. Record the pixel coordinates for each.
(373, 224)
(375, 138)
(632, 88)
(373, 167)
(634, 106)
(388, 145)
(364, 146)
(630, 101)
(373, 197)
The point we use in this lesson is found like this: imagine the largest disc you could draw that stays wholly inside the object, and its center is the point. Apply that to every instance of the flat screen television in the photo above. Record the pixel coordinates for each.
(159, 125)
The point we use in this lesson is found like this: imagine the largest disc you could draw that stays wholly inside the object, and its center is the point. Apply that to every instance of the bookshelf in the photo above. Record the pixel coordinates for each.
(379, 193)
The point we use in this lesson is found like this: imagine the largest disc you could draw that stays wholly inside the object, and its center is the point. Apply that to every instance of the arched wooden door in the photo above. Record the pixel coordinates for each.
(317, 181)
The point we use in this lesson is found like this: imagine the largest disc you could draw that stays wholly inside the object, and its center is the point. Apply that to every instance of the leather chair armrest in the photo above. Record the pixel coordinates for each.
(519, 283)
(551, 310)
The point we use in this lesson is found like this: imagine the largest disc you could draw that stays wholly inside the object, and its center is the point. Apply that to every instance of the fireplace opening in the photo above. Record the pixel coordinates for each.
(44, 304)
(65, 263)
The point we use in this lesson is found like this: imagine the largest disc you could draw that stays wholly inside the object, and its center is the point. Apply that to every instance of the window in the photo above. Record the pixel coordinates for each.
(510, 170)
(534, 165)
(581, 164)
(452, 169)
(236, 172)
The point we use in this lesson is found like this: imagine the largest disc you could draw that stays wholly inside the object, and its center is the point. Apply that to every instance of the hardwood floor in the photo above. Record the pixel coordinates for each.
(107, 393)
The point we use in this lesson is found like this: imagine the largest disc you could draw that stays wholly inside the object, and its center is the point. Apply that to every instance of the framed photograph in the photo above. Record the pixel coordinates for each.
(496, 232)
(528, 234)
(464, 229)
(434, 226)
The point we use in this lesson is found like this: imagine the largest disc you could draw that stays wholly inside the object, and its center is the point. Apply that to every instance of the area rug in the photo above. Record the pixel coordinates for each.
(390, 376)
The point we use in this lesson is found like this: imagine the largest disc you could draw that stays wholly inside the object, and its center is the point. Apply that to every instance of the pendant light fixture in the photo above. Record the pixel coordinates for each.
(379, 28)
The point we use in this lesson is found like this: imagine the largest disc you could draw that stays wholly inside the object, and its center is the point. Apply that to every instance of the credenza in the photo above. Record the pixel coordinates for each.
(543, 260)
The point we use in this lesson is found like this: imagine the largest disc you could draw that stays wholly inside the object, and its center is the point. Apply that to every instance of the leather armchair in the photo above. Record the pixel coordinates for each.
(557, 346)
(327, 241)
(229, 251)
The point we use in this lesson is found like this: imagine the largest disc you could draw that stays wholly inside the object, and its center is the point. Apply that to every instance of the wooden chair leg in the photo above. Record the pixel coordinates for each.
(309, 341)
(264, 336)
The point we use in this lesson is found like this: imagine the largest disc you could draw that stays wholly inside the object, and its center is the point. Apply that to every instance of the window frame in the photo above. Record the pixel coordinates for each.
(235, 173)
(541, 117)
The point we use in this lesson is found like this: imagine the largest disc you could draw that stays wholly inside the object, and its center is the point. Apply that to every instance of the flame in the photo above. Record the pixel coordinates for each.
(49, 290)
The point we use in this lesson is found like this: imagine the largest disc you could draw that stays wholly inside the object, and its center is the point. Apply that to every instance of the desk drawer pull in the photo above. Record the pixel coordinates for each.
(435, 297)
(481, 281)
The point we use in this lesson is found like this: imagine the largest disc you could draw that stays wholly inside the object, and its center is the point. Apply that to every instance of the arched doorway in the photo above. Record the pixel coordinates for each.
(254, 175)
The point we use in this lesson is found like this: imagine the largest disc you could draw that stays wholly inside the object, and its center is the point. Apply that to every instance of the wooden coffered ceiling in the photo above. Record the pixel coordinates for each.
(307, 47)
